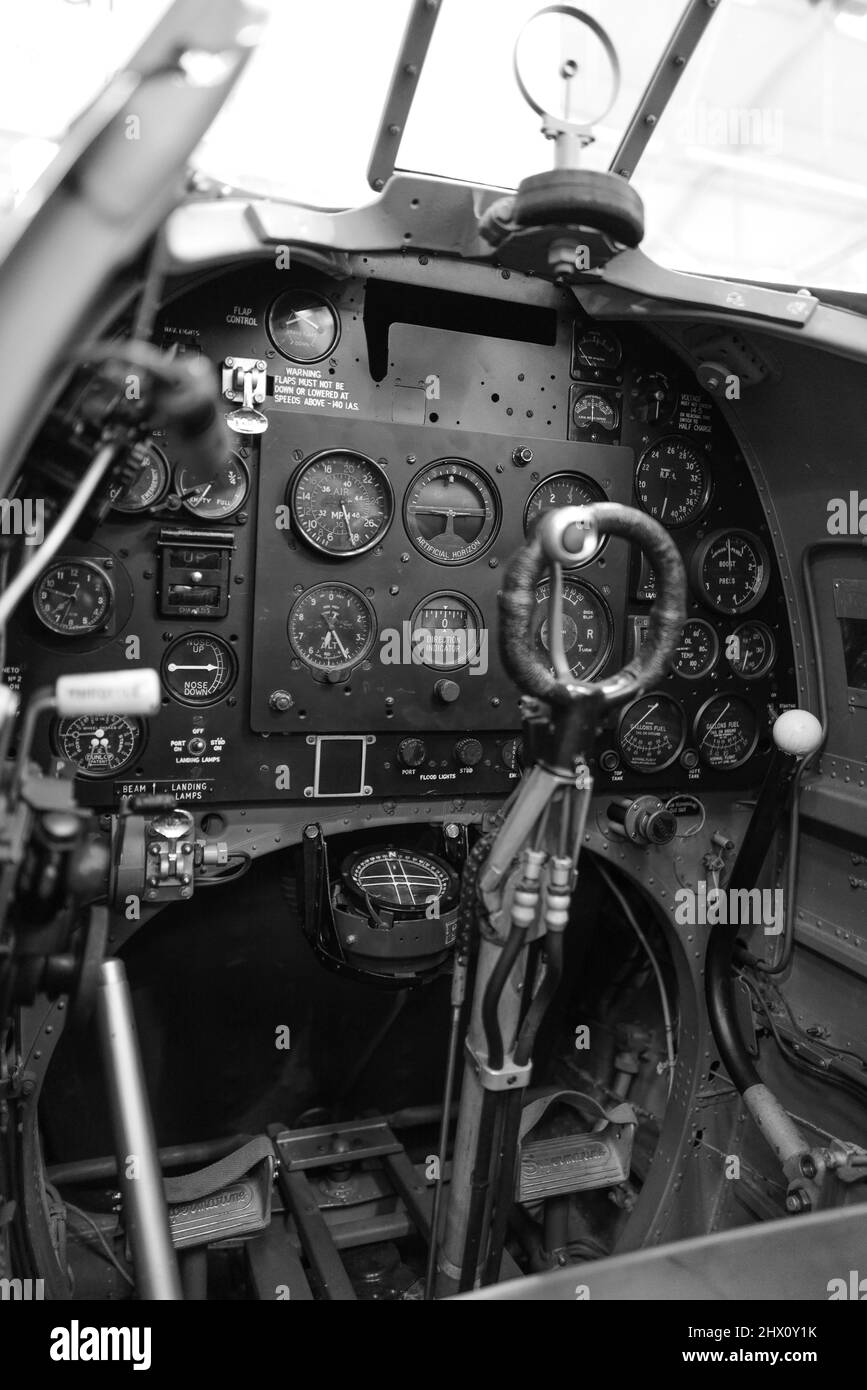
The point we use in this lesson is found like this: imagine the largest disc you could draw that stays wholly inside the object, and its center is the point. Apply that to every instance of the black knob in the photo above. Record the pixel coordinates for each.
(468, 752)
(411, 752)
(447, 691)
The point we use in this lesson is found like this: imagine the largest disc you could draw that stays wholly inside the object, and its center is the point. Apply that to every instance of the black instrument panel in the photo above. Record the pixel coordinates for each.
(323, 609)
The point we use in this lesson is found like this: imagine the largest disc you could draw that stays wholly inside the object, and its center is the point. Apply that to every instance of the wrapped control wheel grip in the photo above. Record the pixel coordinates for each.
(518, 605)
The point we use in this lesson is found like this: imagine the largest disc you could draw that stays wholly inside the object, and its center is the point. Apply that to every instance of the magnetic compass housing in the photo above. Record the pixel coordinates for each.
(395, 910)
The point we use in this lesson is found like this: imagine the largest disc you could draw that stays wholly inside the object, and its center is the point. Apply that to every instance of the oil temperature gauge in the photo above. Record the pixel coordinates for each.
(651, 733)
(99, 745)
(696, 652)
(750, 650)
(726, 731)
(199, 669)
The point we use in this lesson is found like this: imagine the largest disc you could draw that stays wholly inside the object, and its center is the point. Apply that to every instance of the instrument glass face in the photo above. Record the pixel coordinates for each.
(148, 487)
(653, 398)
(451, 512)
(399, 878)
(341, 503)
(696, 653)
(651, 733)
(447, 631)
(564, 490)
(303, 326)
(732, 570)
(73, 598)
(672, 482)
(751, 650)
(331, 627)
(726, 731)
(213, 493)
(199, 669)
(593, 411)
(99, 745)
(596, 350)
(588, 629)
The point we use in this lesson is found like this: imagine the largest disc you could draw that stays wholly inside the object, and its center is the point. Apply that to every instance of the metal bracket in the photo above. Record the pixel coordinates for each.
(508, 1077)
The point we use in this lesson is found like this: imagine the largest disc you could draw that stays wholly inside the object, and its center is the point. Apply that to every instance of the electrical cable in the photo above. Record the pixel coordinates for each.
(850, 1085)
(109, 1253)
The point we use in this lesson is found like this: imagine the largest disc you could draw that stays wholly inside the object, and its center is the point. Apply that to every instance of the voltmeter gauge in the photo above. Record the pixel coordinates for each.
(750, 650)
(451, 512)
(653, 398)
(341, 502)
(592, 411)
(596, 350)
(303, 325)
(730, 570)
(696, 653)
(726, 731)
(199, 669)
(331, 627)
(149, 485)
(99, 745)
(588, 630)
(213, 493)
(672, 482)
(73, 598)
(447, 632)
(564, 490)
(651, 733)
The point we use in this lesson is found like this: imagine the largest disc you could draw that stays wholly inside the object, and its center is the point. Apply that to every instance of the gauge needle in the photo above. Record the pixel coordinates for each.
(332, 632)
(638, 724)
(713, 725)
(200, 492)
(173, 666)
(353, 538)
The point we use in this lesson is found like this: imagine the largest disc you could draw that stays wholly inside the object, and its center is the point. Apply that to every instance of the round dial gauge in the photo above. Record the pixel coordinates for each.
(672, 482)
(331, 627)
(199, 669)
(73, 597)
(653, 398)
(696, 652)
(447, 632)
(451, 512)
(651, 733)
(564, 490)
(750, 650)
(99, 745)
(731, 570)
(596, 350)
(341, 502)
(303, 326)
(399, 879)
(213, 493)
(588, 630)
(148, 487)
(593, 411)
(726, 731)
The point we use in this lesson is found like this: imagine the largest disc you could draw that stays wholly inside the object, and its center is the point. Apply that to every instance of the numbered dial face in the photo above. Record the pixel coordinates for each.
(696, 652)
(588, 630)
(593, 411)
(199, 669)
(750, 650)
(331, 627)
(73, 598)
(149, 485)
(451, 512)
(213, 493)
(726, 731)
(99, 745)
(595, 350)
(447, 632)
(341, 502)
(564, 490)
(399, 879)
(303, 326)
(653, 398)
(730, 571)
(672, 482)
(651, 733)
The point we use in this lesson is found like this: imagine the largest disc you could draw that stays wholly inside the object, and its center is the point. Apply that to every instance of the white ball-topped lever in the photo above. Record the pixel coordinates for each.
(797, 732)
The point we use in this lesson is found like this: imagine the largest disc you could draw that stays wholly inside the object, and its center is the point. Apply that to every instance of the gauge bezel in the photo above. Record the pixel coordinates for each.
(274, 339)
(636, 390)
(63, 562)
(165, 467)
(468, 603)
(296, 481)
(141, 744)
(569, 478)
(742, 700)
(468, 466)
(200, 702)
(696, 568)
(584, 330)
(706, 671)
(763, 671)
(444, 873)
(215, 516)
(356, 661)
(598, 598)
(707, 487)
(587, 389)
(661, 767)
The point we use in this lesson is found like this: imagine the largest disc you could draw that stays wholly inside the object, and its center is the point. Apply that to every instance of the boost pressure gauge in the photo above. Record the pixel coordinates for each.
(730, 571)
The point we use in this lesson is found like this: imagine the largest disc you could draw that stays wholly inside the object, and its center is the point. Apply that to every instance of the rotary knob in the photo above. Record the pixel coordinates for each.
(468, 752)
(411, 752)
(447, 691)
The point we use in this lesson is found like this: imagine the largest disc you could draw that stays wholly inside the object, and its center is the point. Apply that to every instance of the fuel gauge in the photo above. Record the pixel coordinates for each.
(651, 734)
(213, 493)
